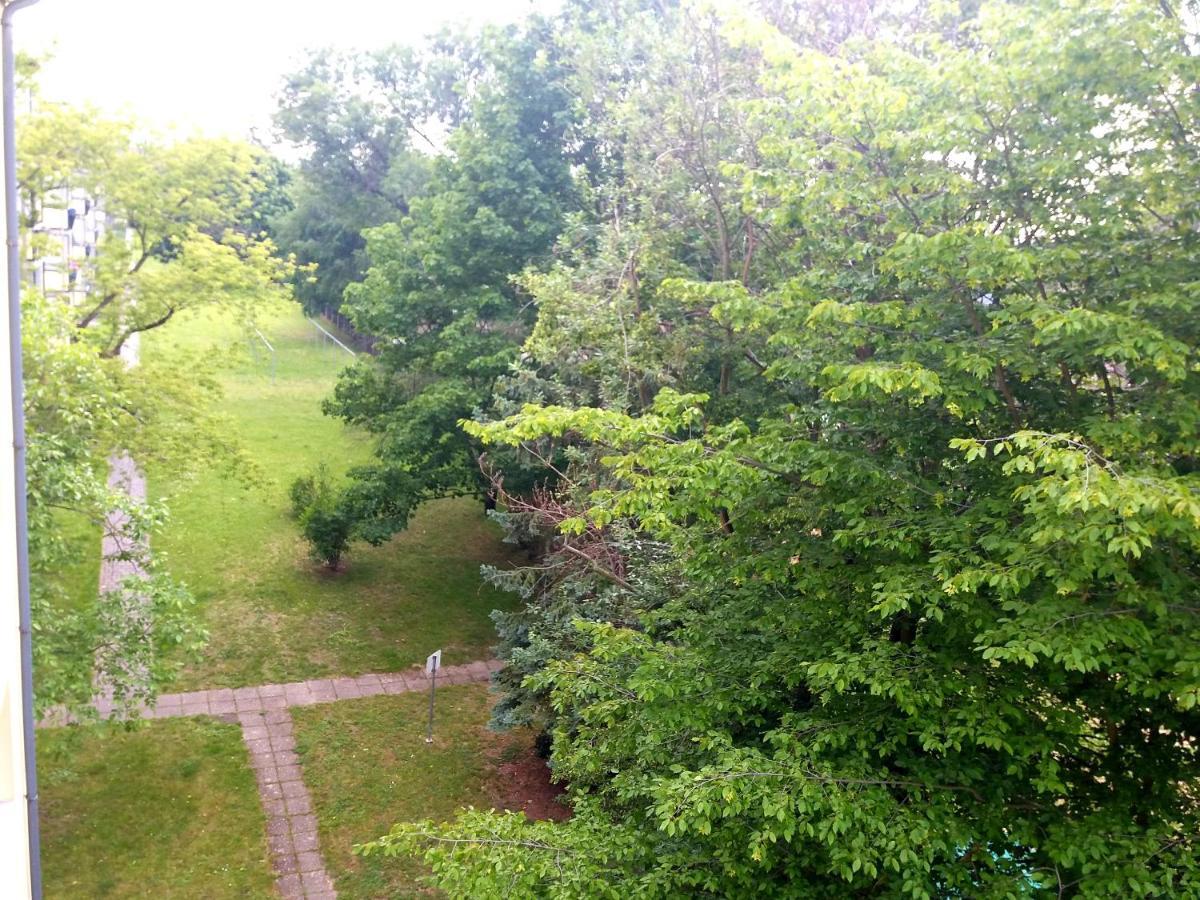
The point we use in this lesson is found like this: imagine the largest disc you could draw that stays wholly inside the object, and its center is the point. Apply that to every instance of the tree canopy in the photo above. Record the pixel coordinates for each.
(864, 380)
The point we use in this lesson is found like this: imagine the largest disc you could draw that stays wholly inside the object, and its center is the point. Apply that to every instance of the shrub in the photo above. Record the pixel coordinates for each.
(325, 521)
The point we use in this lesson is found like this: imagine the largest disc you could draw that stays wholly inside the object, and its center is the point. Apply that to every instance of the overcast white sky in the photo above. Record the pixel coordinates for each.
(214, 66)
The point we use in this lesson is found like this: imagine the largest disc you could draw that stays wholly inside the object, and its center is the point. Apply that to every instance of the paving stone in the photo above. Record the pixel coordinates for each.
(280, 844)
(346, 688)
(264, 760)
(287, 758)
(268, 775)
(298, 695)
(415, 681)
(479, 671)
(321, 895)
(278, 717)
(283, 742)
(316, 881)
(289, 887)
(274, 808)
(254, 732)
(286, 863)
(454, 675)
(312, 872)
(396, 687)
(259, 745)
(278, 825)
(297, 805)
(251, 719)
(248, 704)
(245, 693)
(223, 706)
(306, 822)
(305, 841)
(289, 773)
(322, 690)
(270, 690)
(221, 694)
(279, 702)
(271, 790)
(294, 789)
(370, 683)
(495, 665)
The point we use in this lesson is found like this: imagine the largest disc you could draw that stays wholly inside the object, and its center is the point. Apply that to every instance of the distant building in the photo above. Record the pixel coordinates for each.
(63, 244)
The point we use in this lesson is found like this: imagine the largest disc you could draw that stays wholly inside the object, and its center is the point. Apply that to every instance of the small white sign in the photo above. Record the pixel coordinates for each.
(434, 662)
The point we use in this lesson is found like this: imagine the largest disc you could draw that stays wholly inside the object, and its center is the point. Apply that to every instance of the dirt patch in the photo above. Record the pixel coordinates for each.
(521, 780)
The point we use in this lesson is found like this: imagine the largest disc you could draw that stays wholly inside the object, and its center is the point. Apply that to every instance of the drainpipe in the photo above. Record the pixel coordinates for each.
(12, 246)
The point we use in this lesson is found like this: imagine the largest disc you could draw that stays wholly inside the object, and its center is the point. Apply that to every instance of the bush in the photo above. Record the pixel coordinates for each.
(303, 492)
(324, 518)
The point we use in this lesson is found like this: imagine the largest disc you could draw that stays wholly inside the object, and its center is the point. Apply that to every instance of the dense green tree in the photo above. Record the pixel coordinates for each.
(930, 624)
(439, 295)
(365, 125)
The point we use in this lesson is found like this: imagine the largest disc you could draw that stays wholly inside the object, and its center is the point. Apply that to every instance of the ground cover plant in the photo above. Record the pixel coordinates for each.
(367, 765)
(168, 810)
(272, 614)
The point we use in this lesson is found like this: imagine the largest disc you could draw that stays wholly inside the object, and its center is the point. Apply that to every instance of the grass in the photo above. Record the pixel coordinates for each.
(367, 766)
(272, 614)
(79, 578)
(168, 810)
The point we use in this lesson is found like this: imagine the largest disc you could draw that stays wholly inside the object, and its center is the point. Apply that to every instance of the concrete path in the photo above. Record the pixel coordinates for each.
(122, 611)
(262, 712)
(268, 697)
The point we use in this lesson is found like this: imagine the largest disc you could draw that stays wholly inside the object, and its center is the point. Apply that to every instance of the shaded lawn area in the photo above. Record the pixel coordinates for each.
(167, 810)
(272, 614)
(367, 766)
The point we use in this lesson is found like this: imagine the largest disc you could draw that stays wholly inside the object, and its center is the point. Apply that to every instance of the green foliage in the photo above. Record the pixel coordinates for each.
(324, 520)
(178, 237)
(930, 628)
(438, 295)
(304, 490)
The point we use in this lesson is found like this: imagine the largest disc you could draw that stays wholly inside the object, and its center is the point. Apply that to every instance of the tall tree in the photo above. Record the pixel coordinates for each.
(934, 629)
(439, 293)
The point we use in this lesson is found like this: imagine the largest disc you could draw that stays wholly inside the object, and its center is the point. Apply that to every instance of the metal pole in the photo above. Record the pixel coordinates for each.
(432, 691)
(16, 373)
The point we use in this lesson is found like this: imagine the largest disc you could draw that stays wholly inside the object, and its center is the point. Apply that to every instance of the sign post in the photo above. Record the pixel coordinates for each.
(432, 664)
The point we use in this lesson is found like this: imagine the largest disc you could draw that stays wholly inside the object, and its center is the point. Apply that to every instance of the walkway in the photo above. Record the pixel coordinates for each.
(267, 730)
(123, 607)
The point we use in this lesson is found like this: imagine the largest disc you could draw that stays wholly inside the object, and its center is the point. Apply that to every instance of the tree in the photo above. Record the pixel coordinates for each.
(438, 295)
(354, 118)
(178, 240)
(934, 632)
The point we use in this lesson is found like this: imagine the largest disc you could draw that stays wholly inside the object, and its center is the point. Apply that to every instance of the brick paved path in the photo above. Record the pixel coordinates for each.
(267, 730)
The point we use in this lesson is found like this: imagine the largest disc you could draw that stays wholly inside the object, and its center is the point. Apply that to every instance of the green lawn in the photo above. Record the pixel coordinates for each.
(169, 810)
(272, 614)
(367, 766)
(79, 579)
